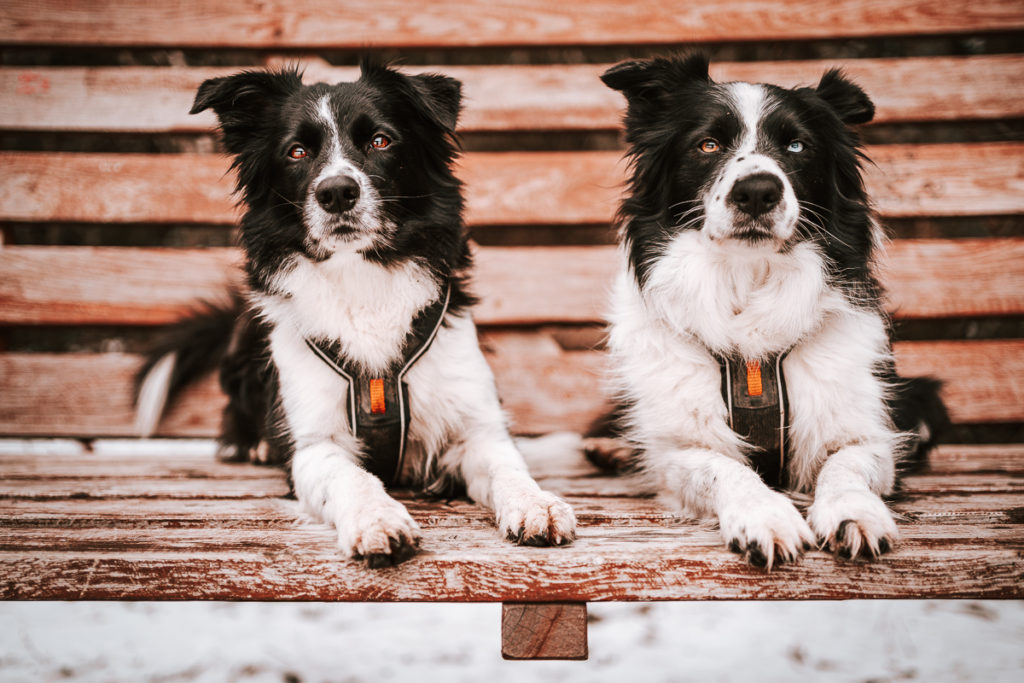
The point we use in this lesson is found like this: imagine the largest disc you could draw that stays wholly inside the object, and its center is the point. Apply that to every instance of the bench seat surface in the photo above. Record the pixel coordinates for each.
(142, 527)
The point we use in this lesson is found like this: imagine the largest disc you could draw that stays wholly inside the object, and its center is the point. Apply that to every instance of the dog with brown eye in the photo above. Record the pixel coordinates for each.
(749, 348)
(352, 357)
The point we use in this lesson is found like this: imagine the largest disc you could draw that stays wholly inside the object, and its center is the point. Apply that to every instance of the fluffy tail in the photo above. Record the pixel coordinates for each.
(184, 353)
(918, 410)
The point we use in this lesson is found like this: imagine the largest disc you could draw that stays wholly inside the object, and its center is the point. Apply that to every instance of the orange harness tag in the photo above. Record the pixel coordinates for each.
(754, 378)
(377, 404)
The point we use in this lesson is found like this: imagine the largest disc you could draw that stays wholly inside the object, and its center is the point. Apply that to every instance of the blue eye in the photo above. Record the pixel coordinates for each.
(795, 147)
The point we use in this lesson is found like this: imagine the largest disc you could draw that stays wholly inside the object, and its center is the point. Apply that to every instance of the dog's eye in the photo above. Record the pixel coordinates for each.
(298, 152)
(795, 147)
(709, 146)
(380, 141)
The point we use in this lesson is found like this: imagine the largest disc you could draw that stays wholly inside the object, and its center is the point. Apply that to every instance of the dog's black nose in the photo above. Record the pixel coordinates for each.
(337, 194)
(757, 194)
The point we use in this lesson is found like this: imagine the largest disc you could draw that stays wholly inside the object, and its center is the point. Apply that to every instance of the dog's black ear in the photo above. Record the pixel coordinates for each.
(244, 99)
(442, 96)
(846, 98)
(651, 78)
(437, 97)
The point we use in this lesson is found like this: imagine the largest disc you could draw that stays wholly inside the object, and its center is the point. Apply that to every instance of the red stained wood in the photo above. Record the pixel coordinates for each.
(502, 188)
(504, 97)
(517, 285)
(448, 23)
(544, 630)
(235, 538)
(543, 390)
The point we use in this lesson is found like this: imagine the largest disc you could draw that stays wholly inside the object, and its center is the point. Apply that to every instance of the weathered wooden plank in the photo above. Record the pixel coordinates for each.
(544, 630)
(448, 23)
(503, 97)
(463, 537)
(950, 459)
(967, 370)
(89, 394)
(650, 569)
(977, 458)
(943, 507)
(503, 188)
(517, 285)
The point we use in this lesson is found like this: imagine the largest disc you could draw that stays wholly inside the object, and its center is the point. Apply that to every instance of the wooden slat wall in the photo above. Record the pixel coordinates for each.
(503, 188)
(121, 285)
(503, 97)
(543, 387)
(451, 23)
(63, 285)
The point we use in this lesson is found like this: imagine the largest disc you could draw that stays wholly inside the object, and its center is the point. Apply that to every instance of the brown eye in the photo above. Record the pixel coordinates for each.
(709, 146)
(298, 152)
(380, 141)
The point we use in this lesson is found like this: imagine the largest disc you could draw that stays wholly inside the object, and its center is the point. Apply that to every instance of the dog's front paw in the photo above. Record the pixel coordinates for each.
(380, 532)
(537, 518)
(853, 524)
(766, 530)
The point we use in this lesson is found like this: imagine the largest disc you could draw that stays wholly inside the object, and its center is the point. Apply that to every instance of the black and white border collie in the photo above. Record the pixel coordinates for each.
(747, 234)
(352, 226)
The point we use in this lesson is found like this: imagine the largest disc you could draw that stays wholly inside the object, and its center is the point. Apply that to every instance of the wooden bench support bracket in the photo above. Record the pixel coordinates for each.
(555, 630)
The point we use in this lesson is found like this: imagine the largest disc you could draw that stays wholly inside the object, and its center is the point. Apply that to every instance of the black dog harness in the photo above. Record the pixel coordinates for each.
(378, 406)
(755, 394)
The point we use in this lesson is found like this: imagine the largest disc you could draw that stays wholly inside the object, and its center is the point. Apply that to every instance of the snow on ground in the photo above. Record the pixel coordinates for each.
(730, 641)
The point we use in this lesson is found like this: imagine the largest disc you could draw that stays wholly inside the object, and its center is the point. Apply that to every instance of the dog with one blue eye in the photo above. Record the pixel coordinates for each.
(749, 348)
(352, 357)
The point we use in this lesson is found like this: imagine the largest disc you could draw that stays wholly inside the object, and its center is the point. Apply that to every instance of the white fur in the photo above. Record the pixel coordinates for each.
(149, 405)
(457, 425)
(709, 293)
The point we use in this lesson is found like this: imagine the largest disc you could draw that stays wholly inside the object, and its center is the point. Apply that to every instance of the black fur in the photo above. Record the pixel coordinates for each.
(262, 115)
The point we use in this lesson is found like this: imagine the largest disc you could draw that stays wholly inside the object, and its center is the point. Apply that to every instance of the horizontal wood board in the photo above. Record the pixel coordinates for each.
(449, 23)
(503, 97)
(926, 278)
(543, 387)
(502, 188)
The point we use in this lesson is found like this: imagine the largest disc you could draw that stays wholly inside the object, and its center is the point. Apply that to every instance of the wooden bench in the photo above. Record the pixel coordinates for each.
(110, 192)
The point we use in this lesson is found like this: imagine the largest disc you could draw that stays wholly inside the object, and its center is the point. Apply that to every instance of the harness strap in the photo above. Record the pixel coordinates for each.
(377, 405)
(755, 394)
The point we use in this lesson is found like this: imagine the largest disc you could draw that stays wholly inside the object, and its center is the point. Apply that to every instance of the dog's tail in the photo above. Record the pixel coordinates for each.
(917, 409)
(184, 352)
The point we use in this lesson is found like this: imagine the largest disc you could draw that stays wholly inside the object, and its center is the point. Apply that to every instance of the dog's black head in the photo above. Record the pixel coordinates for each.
(754, 164)
(362, 166)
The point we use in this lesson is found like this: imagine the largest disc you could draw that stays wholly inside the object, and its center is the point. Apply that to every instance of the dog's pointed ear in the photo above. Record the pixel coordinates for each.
(846, 98)
(437, 97)
(442, 96)
(649, 79)
(242, 100)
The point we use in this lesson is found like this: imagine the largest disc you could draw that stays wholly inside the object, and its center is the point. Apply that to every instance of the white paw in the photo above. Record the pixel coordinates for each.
(853, 524)
(380, 531)
(536, 518)
(766, 529)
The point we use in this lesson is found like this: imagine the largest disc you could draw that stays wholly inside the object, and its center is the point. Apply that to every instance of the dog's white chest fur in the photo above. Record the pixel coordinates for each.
(364, 306)
(738, 298)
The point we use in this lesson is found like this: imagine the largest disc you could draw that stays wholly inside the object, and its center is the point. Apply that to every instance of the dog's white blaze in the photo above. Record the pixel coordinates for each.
(751, 104)
(364, 216)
